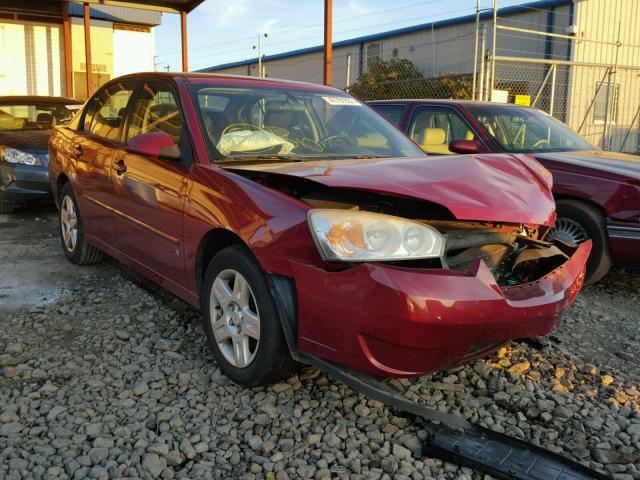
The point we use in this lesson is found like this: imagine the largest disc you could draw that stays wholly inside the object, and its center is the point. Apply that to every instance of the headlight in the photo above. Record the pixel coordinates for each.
(355, 236)
(12, 155)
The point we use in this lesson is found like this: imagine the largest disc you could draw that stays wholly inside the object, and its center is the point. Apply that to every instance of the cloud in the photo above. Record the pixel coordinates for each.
(359, 8)
(225, 12)
(268, 25)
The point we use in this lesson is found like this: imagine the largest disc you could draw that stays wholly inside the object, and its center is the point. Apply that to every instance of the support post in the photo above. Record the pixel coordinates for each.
(328, 46)
(348, 76)
(475, 52)
(183, 32)
(68, 65)
(493, 47)
(87, 46)
(552, 97)
(483, 46)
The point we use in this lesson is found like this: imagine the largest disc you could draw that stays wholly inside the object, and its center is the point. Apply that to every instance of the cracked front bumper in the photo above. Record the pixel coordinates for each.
(392, 321)
(21, 183)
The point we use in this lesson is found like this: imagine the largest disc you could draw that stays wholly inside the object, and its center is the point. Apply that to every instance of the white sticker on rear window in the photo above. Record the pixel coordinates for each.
(342, 101)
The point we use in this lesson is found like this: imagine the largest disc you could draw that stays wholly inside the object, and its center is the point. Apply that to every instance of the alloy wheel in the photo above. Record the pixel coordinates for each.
(568, 231)
(69, 223)
(235, 319)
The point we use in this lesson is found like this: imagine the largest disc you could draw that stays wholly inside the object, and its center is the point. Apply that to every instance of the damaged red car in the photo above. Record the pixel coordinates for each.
(298, 220)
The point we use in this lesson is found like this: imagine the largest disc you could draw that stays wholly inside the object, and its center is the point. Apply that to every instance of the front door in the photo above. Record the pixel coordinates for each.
(150, 191)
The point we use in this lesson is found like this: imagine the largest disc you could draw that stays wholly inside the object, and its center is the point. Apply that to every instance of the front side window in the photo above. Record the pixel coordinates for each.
(106, 113)
(156, 110)
(274, 123)
(526, 130)
(34, 116)
(434, 128)
(393, 113)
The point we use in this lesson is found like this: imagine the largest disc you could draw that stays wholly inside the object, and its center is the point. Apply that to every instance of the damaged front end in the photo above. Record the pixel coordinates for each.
(512, 253)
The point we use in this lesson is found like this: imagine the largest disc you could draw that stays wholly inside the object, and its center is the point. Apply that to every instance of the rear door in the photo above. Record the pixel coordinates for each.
(98, 137)
(150, 191)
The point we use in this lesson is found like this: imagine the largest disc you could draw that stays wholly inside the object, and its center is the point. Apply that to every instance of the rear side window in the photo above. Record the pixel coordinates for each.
(105, 115)
(393, 113)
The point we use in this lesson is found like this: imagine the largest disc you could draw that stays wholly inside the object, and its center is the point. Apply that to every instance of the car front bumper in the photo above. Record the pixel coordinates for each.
(401, 322)
(21, 183)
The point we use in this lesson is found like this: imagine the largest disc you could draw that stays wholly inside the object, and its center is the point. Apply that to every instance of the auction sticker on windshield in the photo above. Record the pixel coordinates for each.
(342, 101)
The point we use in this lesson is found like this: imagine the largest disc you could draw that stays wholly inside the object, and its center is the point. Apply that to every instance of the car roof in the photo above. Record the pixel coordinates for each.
(443, 101)
(244, 80)
(17, 99)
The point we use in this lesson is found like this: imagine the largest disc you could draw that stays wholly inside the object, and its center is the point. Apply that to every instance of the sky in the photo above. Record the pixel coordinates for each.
(222, 31)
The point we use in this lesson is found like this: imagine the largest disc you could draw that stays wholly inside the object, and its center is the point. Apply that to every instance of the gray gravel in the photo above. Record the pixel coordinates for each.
(112, 380)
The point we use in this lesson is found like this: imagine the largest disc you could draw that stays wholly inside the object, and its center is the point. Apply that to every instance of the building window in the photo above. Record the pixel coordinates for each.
(600, 104)
(374, 52)
(394, 53)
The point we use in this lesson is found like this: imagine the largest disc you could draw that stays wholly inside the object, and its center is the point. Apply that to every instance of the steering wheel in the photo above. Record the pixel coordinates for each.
(539, 143)
(337, 141)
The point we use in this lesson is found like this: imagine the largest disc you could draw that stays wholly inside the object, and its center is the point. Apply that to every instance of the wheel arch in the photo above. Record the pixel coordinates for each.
(210, 244)
(585, 201)
(61, 181)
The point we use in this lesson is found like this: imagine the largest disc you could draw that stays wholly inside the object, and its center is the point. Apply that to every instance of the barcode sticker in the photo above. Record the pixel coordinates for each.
(342, 101)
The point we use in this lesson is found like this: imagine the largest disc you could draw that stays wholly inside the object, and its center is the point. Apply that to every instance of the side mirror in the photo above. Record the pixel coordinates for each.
(466, 146)
(154, 144)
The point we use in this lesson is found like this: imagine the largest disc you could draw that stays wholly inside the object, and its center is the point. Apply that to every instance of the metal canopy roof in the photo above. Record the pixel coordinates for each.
(168, 6)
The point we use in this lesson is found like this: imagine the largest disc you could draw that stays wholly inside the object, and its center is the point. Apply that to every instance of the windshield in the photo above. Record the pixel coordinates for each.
(281, 124)
(525, 130)
(34, 116)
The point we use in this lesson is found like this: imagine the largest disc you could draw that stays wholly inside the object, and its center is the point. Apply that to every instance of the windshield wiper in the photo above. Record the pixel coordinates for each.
(259, 158)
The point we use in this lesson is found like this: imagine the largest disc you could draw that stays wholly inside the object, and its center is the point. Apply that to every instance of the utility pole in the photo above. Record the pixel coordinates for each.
(328, 45)
(260, 69)
(475, 52)
(483, 54)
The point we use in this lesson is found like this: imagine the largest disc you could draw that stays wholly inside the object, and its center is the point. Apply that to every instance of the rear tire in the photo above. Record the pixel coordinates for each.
(577, 222)
(241, 321)
(74, 245)
(7, 207)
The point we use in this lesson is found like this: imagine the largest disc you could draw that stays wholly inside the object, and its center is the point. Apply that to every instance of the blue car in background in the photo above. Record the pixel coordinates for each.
(25, 125)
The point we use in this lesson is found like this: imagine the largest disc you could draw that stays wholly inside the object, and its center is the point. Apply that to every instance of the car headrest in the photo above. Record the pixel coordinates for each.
(433, 136)
(44, 117)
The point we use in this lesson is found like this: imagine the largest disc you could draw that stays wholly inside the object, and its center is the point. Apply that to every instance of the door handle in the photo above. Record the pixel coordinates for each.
(120, 167)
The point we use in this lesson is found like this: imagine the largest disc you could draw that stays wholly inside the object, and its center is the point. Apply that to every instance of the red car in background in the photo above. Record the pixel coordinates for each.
(597, 192)
(299, 220)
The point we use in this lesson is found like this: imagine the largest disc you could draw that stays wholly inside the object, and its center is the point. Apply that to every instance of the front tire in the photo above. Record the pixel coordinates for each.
(74, 245)
(241, 321)
(578, 222)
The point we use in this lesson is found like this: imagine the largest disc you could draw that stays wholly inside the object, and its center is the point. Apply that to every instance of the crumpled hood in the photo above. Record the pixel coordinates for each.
(26, 140)
(499, 187)
(615, 163)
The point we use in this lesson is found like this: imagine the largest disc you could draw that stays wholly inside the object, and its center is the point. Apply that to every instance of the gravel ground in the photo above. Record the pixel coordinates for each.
(103, 378)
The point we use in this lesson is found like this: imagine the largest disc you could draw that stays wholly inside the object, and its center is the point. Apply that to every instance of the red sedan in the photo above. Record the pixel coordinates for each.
(297, 218)
(597, 193)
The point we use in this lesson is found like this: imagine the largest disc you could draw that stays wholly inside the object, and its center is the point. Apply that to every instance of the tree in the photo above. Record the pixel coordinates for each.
(400, 78)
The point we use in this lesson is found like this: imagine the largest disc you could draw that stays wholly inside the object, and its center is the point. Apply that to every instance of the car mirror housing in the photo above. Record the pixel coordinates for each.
(154, 144)
(466, 146)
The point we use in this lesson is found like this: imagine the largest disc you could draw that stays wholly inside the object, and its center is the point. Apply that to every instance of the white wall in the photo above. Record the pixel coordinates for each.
(132, 52)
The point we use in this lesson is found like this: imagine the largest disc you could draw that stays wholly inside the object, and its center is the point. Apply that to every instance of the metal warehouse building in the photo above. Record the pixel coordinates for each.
(577, 59)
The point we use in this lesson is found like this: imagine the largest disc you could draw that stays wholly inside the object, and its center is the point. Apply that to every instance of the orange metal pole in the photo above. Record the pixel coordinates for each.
(328, 47)
(87, 46)
(66, 32)
(183, 29)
